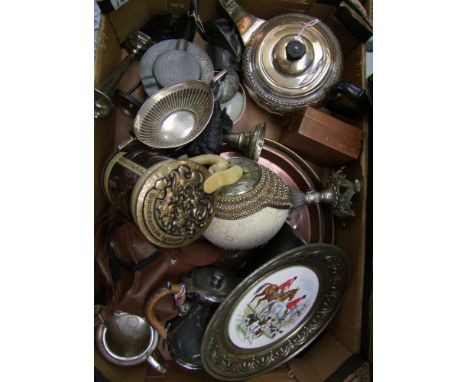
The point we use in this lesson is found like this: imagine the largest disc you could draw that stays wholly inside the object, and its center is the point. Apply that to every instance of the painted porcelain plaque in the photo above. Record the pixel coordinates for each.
(275, 312)
(273, 307)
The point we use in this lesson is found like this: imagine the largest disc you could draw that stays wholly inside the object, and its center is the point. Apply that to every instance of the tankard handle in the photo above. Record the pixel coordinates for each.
(178, 291)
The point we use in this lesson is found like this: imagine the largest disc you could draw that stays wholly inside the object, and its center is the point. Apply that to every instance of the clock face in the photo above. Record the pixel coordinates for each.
(273, 307)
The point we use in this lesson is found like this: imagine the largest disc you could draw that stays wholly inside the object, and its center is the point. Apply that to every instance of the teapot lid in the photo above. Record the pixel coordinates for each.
(212, 285)
(292, 56)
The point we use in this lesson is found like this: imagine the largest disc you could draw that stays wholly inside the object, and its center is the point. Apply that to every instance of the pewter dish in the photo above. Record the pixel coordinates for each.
(174, 61)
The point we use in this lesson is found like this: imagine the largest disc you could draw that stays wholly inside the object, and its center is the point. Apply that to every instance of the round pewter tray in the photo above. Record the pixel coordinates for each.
(247, 337)
(314, 223)
(180, 65)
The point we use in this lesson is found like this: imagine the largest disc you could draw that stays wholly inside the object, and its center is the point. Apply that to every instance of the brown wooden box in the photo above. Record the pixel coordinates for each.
(322, 138)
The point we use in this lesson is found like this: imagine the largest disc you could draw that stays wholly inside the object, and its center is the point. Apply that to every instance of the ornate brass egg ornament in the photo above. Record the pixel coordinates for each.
(251, 211)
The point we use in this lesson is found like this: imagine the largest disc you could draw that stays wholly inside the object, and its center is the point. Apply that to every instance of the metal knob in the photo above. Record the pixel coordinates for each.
(217, 279)
(295, 50)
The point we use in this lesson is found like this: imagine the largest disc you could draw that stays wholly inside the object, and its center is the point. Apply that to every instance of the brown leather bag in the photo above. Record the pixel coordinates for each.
(132, 268)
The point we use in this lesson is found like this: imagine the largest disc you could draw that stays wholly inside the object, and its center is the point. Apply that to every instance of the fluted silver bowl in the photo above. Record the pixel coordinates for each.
(175, 115)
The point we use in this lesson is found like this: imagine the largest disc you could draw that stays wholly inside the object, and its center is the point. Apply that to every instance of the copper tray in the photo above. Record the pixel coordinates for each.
(315, 222)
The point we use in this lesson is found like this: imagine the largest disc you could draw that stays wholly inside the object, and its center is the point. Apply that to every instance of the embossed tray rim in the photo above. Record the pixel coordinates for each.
(313, 256)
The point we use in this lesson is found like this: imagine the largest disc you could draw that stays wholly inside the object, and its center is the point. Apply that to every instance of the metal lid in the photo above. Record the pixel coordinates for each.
(169, 204)
(250, 178)
(211, 284)
(259, 187)
(292, 62)
(275, 312)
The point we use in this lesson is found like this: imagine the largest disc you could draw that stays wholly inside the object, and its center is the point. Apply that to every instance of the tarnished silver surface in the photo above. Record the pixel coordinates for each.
(309, 79)
(250, 143)
(210, 284)
(174, 61)
(175, 115)
(126, 340)
(226, 361)
(334, 195)
(245, 23)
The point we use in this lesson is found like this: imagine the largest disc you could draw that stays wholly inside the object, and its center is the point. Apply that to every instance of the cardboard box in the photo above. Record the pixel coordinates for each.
(342, 339)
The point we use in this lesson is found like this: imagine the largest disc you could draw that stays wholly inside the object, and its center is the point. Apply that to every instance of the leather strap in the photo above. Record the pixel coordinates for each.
(177, 290)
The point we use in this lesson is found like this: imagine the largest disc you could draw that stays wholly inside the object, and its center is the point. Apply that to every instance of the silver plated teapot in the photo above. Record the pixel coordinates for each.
(290, 61)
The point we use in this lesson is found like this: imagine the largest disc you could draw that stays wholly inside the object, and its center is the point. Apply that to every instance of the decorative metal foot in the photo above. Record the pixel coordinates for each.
(338, 193)
(250, 143)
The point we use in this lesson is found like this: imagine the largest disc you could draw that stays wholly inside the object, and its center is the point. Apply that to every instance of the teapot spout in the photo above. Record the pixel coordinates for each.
(246, 23)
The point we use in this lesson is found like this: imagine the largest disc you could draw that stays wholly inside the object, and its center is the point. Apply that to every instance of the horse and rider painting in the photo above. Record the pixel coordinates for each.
(271, 307)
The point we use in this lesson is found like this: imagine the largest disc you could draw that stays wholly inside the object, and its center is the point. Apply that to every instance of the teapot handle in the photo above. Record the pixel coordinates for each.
(177, 290)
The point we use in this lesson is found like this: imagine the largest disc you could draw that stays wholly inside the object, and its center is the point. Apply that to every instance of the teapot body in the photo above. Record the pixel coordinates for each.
(185, 335)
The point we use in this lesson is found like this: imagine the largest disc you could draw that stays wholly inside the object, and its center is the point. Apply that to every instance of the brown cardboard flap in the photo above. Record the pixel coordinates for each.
(131, 16)
(351, 239)
(107, 51)
(320, 361)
